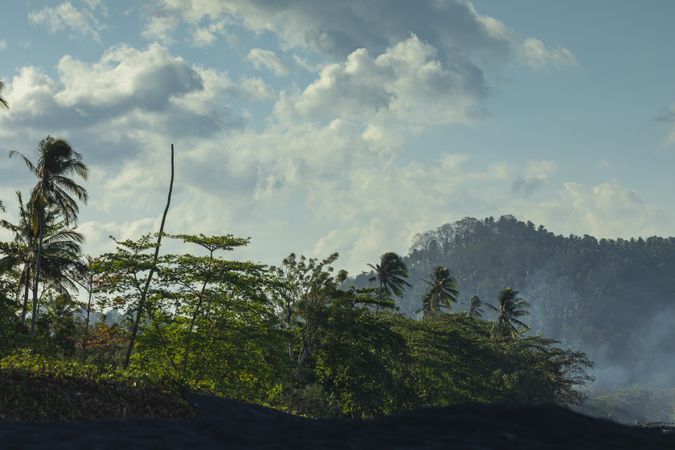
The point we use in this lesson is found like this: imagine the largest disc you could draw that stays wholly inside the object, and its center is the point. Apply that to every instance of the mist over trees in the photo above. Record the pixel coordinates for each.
(611, 298)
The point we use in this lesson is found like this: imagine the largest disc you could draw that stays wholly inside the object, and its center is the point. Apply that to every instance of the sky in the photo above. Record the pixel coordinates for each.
(349, 125)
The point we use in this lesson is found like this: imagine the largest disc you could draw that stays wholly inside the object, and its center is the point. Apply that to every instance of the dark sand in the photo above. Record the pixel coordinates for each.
(226, 424)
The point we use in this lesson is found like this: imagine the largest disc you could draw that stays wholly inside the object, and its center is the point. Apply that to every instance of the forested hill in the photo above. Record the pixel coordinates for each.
(614, 299)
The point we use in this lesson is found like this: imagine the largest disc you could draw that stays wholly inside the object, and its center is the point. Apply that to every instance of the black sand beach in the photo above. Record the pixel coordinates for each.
(228, 424)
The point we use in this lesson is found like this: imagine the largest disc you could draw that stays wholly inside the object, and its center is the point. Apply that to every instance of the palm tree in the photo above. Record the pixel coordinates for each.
(3, 102)
(442, 292)
(61, 252)
(391, 273)
(475, 307)
(57, 161)
(511, 307)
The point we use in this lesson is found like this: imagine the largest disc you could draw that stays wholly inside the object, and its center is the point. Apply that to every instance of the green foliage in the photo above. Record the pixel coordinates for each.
(294, 337)
(603, 296)
(442, 292)
(360, 364)
(391, 274)
(475, 307)
(39, 388)
(12, 333)
(369, 364)
(508, 326)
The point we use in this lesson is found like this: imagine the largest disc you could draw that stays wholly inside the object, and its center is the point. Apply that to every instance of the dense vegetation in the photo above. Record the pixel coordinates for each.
(297, 336)
(610, 298)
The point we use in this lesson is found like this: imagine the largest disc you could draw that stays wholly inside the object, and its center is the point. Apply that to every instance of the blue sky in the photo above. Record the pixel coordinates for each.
(348, 126)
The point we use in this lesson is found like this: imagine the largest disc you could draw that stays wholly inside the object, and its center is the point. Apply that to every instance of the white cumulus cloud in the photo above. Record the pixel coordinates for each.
(406, 86)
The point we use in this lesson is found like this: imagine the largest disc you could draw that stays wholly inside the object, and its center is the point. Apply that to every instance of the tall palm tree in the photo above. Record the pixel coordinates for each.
(442, 292)
(391, 273)
(3, 102)
(61, 252)
(507, 326)
(475, 307)
(57, 162)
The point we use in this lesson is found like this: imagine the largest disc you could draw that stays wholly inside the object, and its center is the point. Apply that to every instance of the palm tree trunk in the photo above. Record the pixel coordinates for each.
(26, 288)
(38, 260)
(144, 293)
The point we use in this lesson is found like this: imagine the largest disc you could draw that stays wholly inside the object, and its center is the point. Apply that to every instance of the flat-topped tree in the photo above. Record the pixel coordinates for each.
(184, 299)
(57, 163)
(189, 270)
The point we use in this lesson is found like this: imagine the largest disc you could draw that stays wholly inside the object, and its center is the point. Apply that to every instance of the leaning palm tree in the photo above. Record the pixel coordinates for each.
(442, 292)
(3, 102)
(57, 162)
(61, 252)
(391, 273)
(508, 326)
(475, 307)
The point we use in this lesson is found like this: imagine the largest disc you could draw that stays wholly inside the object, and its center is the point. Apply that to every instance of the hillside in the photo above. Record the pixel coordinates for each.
(613, 299)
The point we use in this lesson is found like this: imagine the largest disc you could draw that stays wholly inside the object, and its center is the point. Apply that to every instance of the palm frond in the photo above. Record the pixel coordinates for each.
(26, 161)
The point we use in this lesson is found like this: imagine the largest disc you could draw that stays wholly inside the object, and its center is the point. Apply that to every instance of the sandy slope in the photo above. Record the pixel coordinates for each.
(227, 424)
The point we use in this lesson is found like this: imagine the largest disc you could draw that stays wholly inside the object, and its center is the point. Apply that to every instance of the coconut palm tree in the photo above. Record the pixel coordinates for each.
(57, 162)
(61, 252)
(391, 273)
(508, 326)
(3, 102)
(475, 307)
(442, 292)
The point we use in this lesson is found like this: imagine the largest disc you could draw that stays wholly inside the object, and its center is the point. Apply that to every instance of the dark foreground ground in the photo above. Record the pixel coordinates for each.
(225, 424)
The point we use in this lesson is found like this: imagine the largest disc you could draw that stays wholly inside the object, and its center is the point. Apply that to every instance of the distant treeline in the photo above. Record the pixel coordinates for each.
(612, 298)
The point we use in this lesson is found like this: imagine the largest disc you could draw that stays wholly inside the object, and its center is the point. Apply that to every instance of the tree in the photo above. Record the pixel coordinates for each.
(57, 162)
(189, 271)
(3, 102)
(442, 292)
(90, 281)
(303, 290)
(507, 326)
(391, 274)
(123, 276)
(475, 307)
(61, 264)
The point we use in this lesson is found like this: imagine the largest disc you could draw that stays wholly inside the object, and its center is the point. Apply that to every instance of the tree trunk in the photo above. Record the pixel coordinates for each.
(291, 341)
(38, 262)
(193, 320)
(144, 293)
(85, 338)
(26, 288)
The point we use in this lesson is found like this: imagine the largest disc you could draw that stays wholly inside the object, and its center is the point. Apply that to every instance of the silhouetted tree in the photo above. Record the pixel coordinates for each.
(508, 326)
(391, 274)
(56, 163)
(442, 292)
